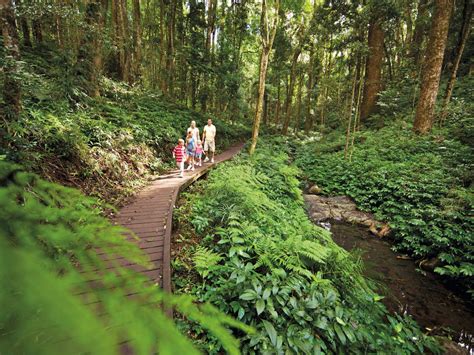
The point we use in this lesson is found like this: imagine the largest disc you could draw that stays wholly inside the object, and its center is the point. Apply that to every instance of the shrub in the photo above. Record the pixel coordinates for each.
(276, 271)
(420, 185)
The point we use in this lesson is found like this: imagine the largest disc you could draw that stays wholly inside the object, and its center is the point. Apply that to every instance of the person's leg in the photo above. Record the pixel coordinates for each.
(181, 168)
(206, 151)
(192, 161)
(213, 149)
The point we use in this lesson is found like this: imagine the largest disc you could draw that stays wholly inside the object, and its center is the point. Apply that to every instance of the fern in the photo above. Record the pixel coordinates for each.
(204, 260)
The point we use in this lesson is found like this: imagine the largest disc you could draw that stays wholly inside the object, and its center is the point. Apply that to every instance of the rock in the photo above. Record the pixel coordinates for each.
(373, 229)
(384, 231)
(314, 190)
(430, 264)
(358, 217)
(336, 213)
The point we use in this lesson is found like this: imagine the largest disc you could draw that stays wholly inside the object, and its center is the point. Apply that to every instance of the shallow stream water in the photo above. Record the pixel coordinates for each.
(408, 290)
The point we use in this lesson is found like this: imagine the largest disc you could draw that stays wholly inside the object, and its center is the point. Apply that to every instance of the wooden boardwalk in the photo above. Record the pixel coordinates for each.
(150, 215)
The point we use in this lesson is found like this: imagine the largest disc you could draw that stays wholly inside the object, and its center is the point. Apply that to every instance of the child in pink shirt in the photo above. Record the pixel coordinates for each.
(198, 153)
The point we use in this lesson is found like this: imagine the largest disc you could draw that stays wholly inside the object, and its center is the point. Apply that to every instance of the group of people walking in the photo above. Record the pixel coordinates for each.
(190, 151)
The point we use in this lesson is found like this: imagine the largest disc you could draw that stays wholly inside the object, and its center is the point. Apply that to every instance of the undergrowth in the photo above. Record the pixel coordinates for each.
(105, 146)
(65, 287)
(422, 186)
(247, 246)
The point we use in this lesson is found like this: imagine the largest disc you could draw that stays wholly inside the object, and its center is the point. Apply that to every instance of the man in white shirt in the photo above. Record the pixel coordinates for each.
(194, 130)
(208, 136)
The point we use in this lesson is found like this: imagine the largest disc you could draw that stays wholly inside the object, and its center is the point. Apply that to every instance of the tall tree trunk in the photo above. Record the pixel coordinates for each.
(268, 36)
(97, 49)
(349, 112)
(137, 41)
(373, 71)
(170, 48)
(25, 28)
(278, 103)
(11, 83)
(432, 66)
(291, 87)
(162, 60)
(309, 117)
(37, 31)
(298, 106)
(261, 92)
(420, 29)
(125, 36)
(463, 36)
(265, 108)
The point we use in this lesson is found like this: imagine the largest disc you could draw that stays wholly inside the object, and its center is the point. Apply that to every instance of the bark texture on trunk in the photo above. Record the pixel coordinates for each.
(137, 41)
(373, 71)
(463, 36)
(432, 66)
(11, 84)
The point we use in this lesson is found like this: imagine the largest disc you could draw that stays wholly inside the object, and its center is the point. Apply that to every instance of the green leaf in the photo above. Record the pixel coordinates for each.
(260, 305)
(248, 295)
(270, 331)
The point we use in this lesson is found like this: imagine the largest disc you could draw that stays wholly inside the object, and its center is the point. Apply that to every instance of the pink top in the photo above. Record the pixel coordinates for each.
(199, 150)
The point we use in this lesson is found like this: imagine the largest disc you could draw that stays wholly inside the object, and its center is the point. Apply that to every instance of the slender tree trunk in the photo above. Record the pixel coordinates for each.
(309, 117)
(268, 36)
(37, 31)
(349, 113)
(25, 28)
(373, 71)
(278, 103)
(170, 48)
(298, 106)
(265, 108)
(420, 29)
(432, 66)
(137, 41)
(289, 95)
(463, 36)
(125, 37)
(162, 61)
(97, 47)
(11, 83)
(261, 92)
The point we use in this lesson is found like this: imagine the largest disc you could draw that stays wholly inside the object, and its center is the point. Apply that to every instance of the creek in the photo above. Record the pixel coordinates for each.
(406, 289)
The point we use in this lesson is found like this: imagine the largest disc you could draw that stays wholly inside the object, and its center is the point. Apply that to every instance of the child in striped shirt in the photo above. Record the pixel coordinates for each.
(179, 155)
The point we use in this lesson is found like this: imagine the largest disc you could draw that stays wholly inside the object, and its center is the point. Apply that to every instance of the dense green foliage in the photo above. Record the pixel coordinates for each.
(422, 186)
(59, 295)
(103, 145)
(260, 259)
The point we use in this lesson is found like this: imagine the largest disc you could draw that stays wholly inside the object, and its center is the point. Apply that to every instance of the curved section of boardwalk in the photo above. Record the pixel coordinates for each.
(150, 216)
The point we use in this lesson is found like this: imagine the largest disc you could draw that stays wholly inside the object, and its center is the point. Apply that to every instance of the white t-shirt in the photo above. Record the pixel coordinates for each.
(210, 132)
(195, 131)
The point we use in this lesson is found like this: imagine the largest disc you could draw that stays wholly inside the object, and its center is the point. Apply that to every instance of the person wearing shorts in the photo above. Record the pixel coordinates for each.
(179, 155)
(208, 136)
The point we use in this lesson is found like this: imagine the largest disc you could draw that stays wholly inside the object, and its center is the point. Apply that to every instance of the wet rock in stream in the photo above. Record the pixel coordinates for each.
(342, 208)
